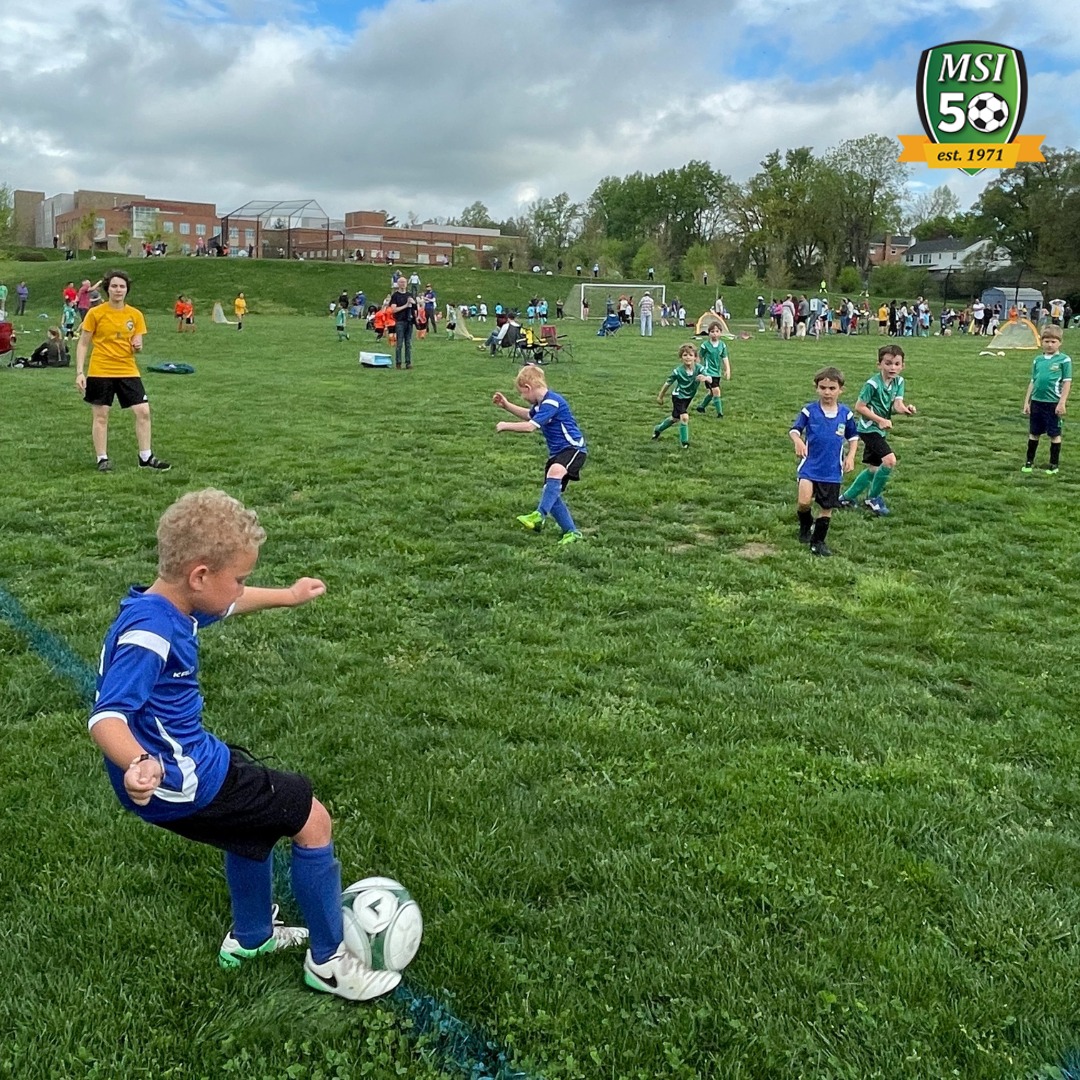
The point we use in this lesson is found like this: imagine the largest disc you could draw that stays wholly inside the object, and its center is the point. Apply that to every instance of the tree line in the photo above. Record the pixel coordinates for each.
(801, 218)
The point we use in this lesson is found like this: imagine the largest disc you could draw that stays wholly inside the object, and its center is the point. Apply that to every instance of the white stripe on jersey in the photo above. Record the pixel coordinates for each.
(105, 715)
(570, 439)
(146, 640)
(190, 781)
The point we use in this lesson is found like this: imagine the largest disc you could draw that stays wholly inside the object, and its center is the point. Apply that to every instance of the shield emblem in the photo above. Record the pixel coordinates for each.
(972, 92)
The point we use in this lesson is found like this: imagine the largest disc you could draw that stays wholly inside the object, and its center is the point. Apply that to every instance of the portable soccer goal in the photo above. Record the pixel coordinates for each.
(1016, 333)
(598, 292)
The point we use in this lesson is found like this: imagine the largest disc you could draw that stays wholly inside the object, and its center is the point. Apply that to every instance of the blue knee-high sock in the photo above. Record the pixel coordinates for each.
(549, 496)
(250, 884)
(316, 882)
(561, 513)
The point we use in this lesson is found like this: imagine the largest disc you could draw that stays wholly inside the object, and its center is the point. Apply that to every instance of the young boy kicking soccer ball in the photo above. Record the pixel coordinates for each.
(684, 384)
(548, 413)
(170, 771)
(713, 355)
(819, 433)
(882, 395)
(1047, 393)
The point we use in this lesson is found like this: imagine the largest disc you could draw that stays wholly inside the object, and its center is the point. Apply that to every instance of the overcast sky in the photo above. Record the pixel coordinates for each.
(428, 105)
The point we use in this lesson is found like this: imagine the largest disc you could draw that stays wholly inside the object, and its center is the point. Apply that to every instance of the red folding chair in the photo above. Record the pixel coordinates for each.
(7, 339)
(554, 344)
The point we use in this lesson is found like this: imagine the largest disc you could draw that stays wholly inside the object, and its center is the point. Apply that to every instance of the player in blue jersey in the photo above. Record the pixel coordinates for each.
(549, 413)
(170, 771)
(820, 433)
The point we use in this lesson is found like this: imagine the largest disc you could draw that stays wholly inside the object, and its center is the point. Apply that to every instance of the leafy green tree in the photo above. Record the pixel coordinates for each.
(892, 280)
(123, 238)
(649, 254)
(850, 281)
(866, 192)
(7, 215)
(86, 227)
(1021, 207)
(476, 216)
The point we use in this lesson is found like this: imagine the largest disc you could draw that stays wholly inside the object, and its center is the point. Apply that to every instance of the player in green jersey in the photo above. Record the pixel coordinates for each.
(1047, 392)
(882, 395)
(684, 382)
(713, 355)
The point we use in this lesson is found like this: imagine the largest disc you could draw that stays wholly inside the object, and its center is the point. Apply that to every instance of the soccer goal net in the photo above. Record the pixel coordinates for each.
(598, 294)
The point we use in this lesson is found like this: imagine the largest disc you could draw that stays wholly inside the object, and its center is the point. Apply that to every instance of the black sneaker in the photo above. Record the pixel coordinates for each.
(805, 535)
(154, 463)
(104, 465)
(819, 549)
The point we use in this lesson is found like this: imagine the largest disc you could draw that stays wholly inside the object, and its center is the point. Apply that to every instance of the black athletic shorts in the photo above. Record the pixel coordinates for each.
(1044, 420)
(712, 381)
(101, 391)
(826, 494)
(679, 405)
(255, 808)
(875, 448)
(570, 459)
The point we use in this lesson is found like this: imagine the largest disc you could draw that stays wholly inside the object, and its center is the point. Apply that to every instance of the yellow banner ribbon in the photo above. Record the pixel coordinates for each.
(919, 148)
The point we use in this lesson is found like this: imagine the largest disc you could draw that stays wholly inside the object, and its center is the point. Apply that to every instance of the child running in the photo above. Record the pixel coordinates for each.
(169, 770)
(684, 384)
(881, 396)
(548, 413)
(713, 355)
(1047, 393)
(819, 433)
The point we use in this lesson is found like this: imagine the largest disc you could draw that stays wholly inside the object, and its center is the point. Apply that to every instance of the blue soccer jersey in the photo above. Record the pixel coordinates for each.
(825, 438)
(149, 678)
(553, 417)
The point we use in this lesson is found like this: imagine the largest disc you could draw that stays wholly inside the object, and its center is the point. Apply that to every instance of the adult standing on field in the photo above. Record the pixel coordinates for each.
(403, 308)
(112, 333)
(22, 293)
(82, 298)
(645, 310)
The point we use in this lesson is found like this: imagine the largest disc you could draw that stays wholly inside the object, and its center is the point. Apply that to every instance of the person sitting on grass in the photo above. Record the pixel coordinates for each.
(167, 769)
(684, 382)
(548, 413)
(52, 352)
(880, 397)
(819, 433)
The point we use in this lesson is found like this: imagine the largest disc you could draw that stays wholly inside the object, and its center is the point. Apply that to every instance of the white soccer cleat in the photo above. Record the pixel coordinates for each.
(348, 977)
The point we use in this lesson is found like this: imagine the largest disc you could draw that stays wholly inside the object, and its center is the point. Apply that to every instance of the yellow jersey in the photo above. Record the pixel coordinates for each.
(113, 356)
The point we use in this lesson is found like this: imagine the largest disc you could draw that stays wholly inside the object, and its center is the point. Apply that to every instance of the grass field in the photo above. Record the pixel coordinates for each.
(679, 801)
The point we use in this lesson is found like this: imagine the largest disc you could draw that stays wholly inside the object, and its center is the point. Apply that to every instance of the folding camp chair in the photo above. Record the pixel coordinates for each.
(528, 348)
(7, 340)
(609, 326)
(554, 345)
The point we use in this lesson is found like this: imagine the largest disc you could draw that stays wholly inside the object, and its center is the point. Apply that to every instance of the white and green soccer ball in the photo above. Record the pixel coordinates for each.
(383, 924)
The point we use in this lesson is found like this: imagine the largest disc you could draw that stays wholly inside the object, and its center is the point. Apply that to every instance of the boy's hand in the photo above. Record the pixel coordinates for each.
(800, 447)
(306, 589)
(1059, 409)
(849, 463)
(142, 778)
(912, 410)
(499, 399)
(885, 425)
(502, 425)
(1026, 410)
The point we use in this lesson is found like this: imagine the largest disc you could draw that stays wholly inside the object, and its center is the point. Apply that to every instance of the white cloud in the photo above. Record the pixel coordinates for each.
(428, 106)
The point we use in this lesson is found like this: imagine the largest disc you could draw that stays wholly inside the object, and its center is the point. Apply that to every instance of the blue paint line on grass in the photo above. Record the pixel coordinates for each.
(451, 1040)
(53, 650)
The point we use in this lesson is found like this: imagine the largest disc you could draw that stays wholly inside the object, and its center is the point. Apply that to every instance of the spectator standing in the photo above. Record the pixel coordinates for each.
(22, 294)
(645, 313)
(403, 308)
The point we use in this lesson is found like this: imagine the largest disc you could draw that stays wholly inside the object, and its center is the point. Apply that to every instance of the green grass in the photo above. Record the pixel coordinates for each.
(677, 801)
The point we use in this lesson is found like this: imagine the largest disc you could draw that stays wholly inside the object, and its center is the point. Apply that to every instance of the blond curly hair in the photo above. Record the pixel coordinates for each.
(208, 527)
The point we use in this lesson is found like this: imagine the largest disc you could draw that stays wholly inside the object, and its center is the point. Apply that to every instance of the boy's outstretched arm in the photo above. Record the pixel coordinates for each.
(302, 591)
(501, 401)
(864, 410)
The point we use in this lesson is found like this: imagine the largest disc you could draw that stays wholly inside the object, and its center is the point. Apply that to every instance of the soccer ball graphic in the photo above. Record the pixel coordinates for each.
(383, 924)
(986, 112)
